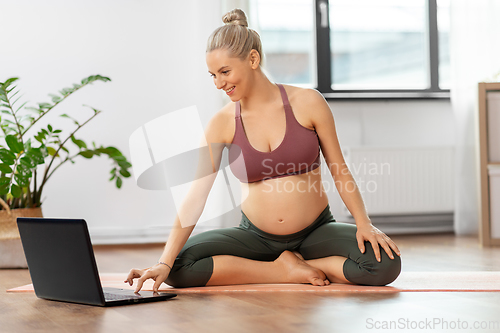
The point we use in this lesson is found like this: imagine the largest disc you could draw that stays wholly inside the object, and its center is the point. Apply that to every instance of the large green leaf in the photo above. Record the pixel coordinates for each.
(119, 182)
(4, 180)
(124, 164)
(102, 150)
(113, 151)
(51, 151)
(5, 168)
(16, 191)
(4, 189)
(120, 158)
(14, 144)
(86, 153)
(36, 155)
(79, 143)
(23, 170)
(125, 173)
(7, 156)
(22, 181)
(28, 162)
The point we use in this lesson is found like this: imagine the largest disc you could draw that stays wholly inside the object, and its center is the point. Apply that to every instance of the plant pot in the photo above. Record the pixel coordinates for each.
(11, 249)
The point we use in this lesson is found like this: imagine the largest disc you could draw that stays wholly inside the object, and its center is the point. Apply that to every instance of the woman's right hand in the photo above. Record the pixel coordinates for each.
(158, 273)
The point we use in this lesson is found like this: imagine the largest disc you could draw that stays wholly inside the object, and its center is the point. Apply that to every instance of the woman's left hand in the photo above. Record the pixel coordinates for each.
(368, 232)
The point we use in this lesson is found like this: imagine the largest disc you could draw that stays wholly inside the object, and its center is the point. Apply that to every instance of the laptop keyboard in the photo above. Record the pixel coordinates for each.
(117, 297)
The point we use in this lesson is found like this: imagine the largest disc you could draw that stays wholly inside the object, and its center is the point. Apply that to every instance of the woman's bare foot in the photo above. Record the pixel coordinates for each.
(298, 271)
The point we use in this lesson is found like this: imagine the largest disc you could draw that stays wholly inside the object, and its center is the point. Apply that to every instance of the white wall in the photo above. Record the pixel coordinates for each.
(154, 52)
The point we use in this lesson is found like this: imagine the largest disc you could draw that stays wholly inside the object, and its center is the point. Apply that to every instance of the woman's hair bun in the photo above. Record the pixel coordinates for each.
(235, 17)
(235, 36)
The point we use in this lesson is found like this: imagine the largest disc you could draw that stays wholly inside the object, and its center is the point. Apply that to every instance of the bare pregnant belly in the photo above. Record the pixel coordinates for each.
(285, 205)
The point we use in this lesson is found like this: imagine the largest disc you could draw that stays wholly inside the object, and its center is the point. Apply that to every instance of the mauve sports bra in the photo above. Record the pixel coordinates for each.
(297, 153)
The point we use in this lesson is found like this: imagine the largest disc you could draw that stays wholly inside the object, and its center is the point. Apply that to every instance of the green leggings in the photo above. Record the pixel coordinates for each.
(323, 238)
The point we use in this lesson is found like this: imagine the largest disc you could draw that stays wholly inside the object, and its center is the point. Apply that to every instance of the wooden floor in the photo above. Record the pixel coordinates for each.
(274, 312)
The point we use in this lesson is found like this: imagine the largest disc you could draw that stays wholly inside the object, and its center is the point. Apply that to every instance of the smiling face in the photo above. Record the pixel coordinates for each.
(232, 74)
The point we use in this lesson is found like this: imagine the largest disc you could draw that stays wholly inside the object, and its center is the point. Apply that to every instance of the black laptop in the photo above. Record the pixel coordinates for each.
(62, 265)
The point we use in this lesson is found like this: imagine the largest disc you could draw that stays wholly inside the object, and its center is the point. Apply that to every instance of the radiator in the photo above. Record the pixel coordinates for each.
(403, 181)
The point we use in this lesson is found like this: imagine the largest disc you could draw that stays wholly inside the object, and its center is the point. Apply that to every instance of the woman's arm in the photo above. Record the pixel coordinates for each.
(324, 124)
(192, 206)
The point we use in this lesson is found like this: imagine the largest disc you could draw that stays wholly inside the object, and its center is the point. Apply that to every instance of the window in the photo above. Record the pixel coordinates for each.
(357, 48)
(287, 30)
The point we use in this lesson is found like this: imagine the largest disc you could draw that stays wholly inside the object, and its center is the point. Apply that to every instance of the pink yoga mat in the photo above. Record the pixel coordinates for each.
(406, 282)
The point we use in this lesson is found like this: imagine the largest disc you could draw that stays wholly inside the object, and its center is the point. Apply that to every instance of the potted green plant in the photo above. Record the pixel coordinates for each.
(30, 153)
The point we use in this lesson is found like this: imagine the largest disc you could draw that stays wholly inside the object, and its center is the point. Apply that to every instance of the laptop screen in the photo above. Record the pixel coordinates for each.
(60, 259)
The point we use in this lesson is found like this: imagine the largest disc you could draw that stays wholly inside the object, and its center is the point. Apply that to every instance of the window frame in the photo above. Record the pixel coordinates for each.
(323, 62)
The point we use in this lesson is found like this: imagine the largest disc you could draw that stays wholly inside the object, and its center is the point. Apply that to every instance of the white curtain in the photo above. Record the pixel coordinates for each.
(475, 57)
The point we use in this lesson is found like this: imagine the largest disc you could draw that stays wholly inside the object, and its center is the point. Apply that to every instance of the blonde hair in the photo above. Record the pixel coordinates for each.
(235, 36)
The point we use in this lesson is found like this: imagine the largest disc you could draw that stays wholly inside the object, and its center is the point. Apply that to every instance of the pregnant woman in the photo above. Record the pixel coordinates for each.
(274, 135)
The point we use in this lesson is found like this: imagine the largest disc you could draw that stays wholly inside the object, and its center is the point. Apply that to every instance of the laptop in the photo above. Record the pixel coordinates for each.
(62, 265)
